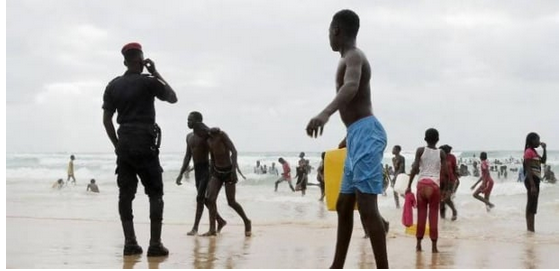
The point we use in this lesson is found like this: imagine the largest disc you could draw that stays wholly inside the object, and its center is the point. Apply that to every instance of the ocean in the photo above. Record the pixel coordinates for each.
(29, 177)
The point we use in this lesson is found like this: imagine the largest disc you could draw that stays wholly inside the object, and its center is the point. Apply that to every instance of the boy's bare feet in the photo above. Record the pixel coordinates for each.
(248, 229)
(221, 224)
(209, 233)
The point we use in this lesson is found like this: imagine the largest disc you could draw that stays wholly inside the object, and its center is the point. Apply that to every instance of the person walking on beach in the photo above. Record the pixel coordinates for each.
(286, 176)
(273, 170)
(321, 176)
(198, 150)
(532, 165)
(223, 167)
(487, 182)
(520, 174)
(301, 157)
(71, 170)
(386, 179)
(448, 183)
(366, 139)
(92, 186)
(399, 165)
(137, 144)
(429, 163)
(476, 173)
(301, 176)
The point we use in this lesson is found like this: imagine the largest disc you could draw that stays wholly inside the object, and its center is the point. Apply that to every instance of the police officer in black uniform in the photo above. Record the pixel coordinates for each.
(137, 142)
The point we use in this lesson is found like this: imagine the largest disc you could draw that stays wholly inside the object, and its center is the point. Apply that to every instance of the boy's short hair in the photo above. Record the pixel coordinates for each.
(197, 115)
(431, 136)
(348, 21)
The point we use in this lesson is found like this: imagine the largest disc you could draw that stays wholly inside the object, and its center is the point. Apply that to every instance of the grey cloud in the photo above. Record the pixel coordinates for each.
(262, 69)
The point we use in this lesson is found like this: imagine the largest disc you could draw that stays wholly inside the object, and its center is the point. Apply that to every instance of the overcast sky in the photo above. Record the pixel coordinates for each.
(484, 73)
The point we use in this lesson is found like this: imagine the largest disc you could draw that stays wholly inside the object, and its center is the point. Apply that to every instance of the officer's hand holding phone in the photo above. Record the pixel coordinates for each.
(150, 66)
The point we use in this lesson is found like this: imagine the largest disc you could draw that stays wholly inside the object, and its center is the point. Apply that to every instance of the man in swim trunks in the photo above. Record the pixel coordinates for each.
(197, 148)
(223, 168)
(366, 139)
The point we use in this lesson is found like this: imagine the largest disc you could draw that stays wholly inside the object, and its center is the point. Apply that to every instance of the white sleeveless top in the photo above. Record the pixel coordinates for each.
(430, 165)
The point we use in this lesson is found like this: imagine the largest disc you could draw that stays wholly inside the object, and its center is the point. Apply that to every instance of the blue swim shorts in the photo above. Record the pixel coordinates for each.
(365, 142)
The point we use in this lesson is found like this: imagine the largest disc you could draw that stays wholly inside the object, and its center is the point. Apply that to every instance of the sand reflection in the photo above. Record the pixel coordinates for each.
(204, 252)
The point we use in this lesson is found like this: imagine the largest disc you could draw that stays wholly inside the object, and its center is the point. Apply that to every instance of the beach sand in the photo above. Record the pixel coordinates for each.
(72, 243)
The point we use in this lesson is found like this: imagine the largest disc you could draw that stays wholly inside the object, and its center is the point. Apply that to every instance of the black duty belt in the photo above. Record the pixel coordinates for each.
(154, 128)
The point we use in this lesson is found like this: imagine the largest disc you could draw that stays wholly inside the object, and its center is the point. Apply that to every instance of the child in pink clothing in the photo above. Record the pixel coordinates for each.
(487, 182)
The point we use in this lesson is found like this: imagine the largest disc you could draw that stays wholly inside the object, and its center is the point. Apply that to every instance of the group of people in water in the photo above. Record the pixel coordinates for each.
(302, 171)
(263, 169)
(59, 184)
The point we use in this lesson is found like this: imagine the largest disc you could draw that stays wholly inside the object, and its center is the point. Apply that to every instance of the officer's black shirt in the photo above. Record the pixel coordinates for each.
(132, 96)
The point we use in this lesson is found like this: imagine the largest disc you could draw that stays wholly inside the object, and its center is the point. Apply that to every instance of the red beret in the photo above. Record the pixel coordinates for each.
(130, 46)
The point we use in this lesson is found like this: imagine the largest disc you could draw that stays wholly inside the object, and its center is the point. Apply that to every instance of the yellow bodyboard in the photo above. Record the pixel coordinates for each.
(412, 230)
(334, 168)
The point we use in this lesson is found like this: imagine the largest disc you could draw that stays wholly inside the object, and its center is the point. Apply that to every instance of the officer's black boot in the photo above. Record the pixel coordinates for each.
(156, 247)
(156, 214)
(131, 247)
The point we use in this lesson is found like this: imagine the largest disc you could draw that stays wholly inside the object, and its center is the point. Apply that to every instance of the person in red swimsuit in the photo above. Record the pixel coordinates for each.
(487, 182)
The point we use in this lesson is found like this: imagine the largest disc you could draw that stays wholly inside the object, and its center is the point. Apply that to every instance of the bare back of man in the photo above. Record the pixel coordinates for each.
(224, 166)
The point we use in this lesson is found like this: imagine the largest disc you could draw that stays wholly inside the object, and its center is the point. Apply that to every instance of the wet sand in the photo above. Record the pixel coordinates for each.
(65, 243)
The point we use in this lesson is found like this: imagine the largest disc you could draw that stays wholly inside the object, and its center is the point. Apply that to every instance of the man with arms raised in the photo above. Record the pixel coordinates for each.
(366, 139)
